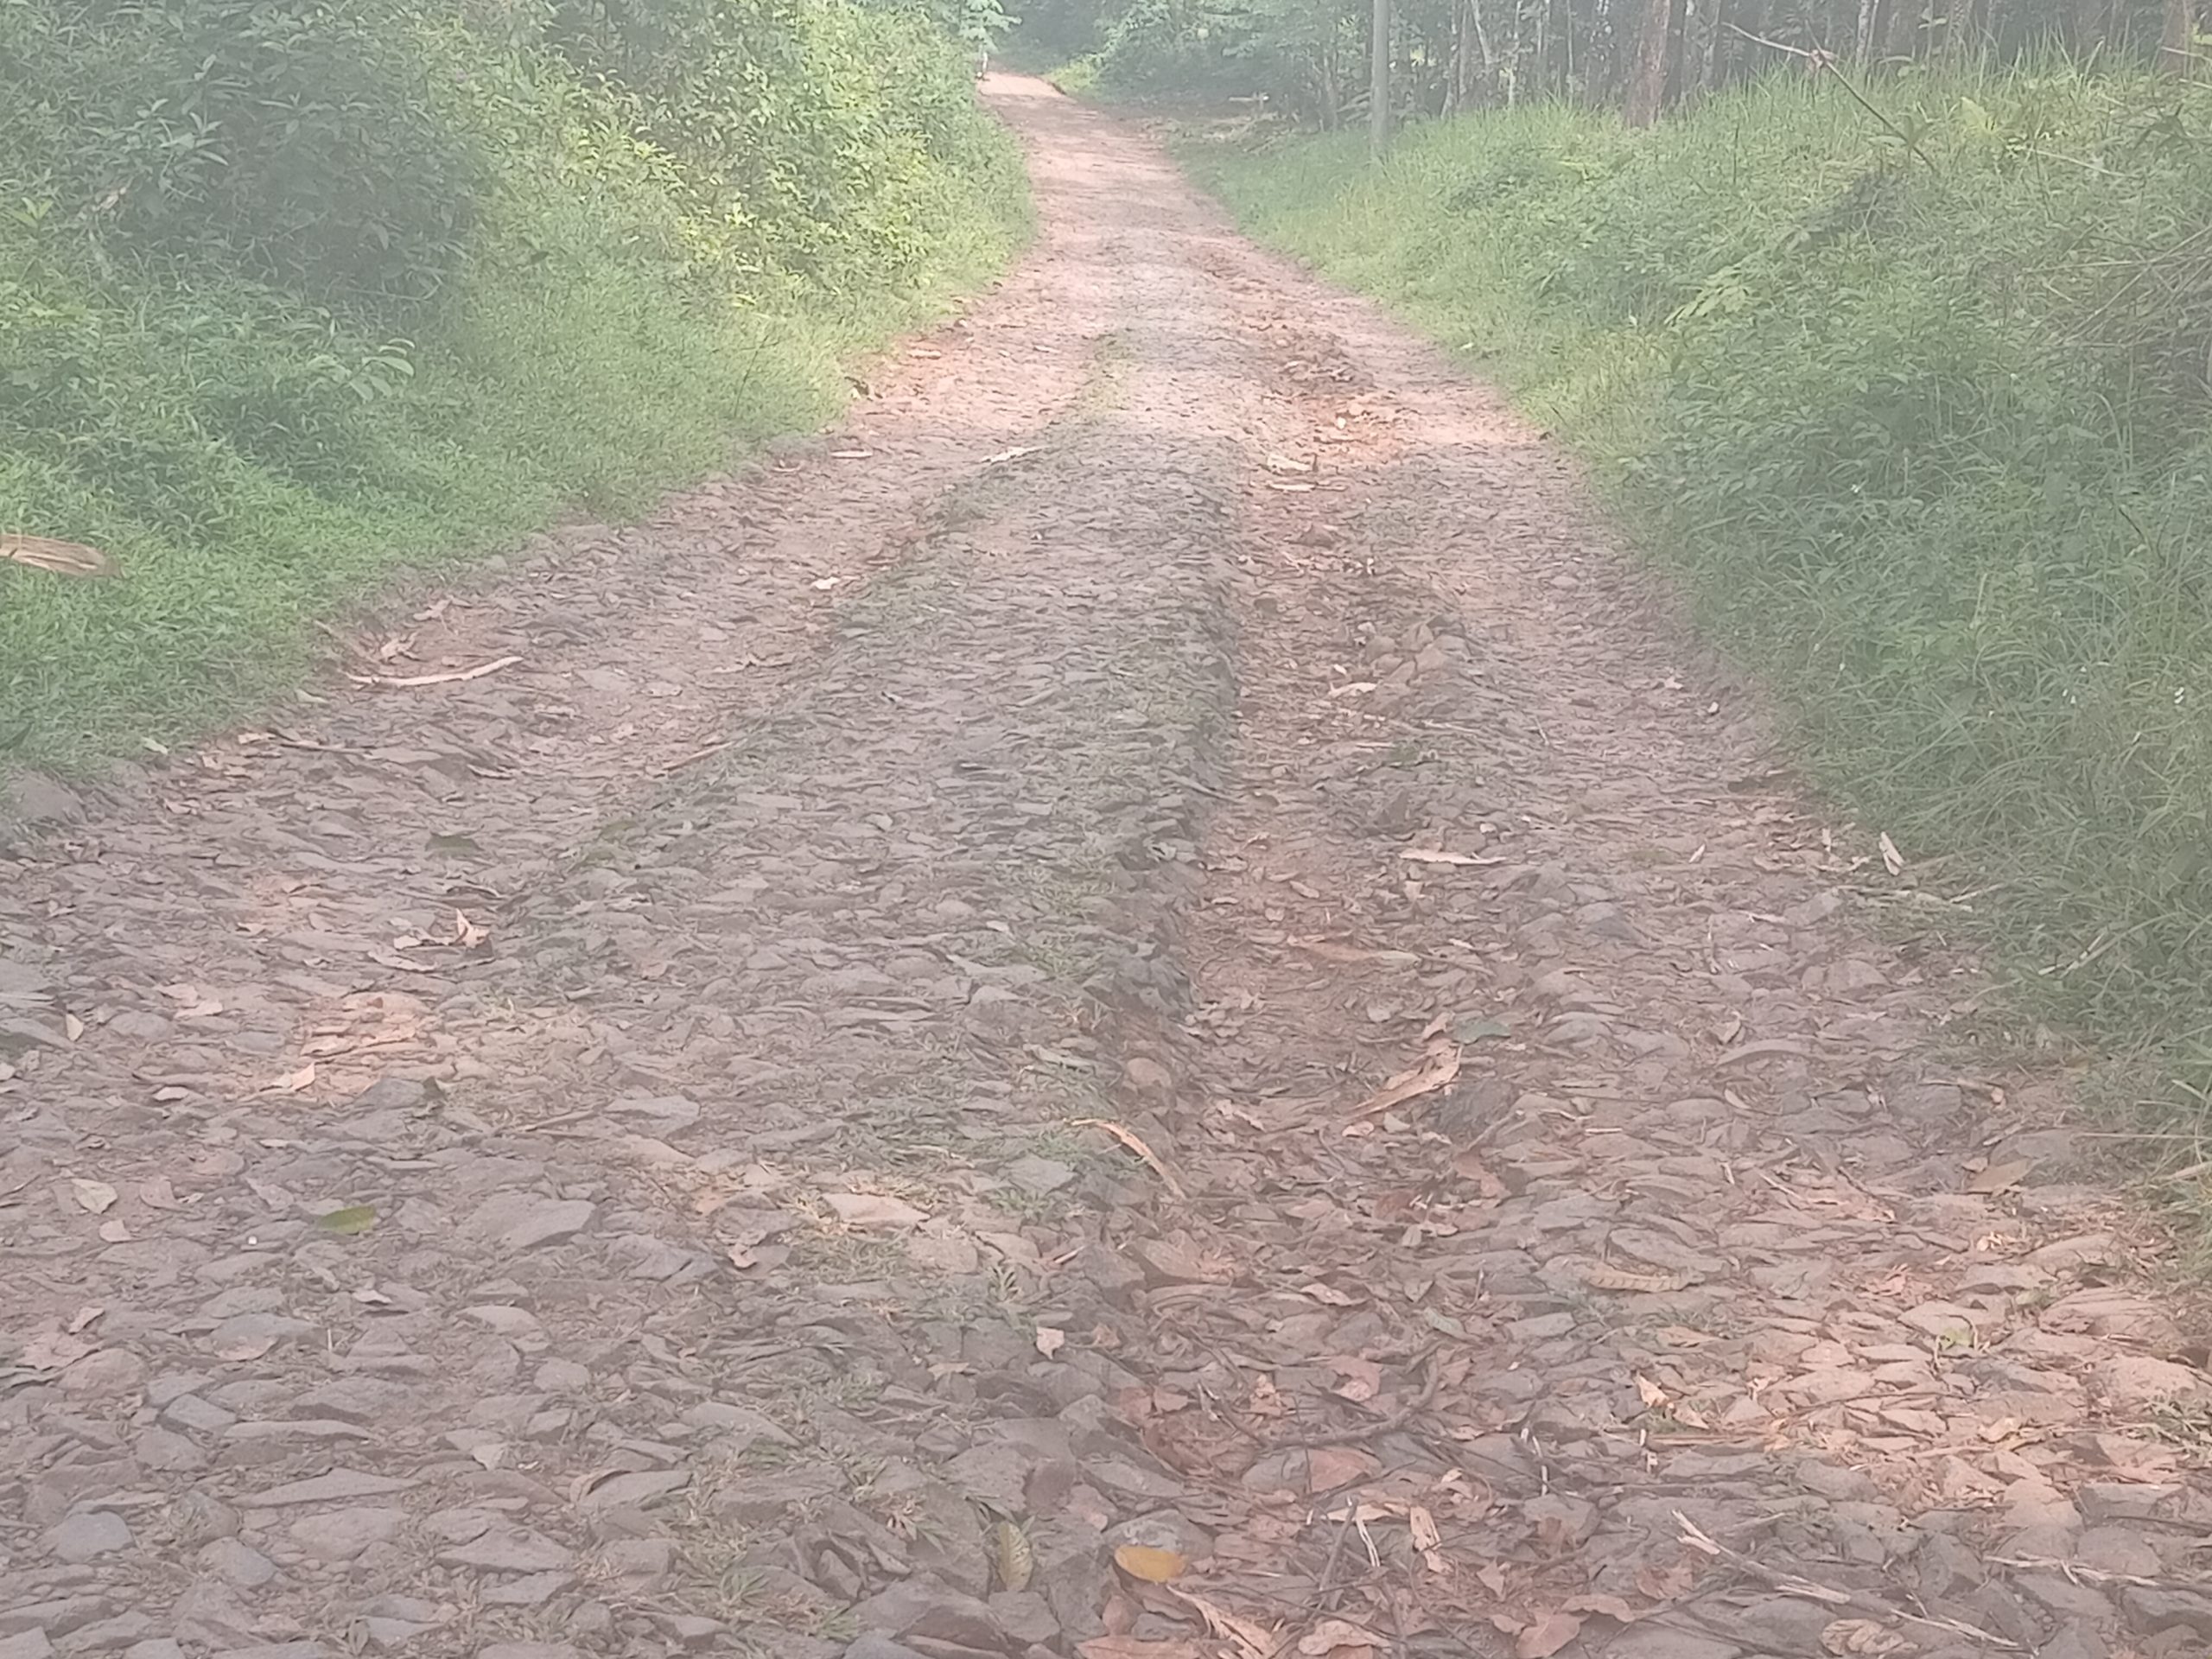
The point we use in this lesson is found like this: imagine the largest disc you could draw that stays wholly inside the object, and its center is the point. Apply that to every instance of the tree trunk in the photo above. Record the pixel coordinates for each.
(1646, 81)
(1482, 46)
(1378, 113)
(2178, 42)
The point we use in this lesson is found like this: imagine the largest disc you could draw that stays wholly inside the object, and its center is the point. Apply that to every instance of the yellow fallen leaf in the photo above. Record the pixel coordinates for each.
(1012, 1556)
(1151, 1566)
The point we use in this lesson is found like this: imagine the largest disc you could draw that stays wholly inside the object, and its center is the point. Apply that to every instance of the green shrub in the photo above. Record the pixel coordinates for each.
(527, 285)
(292, 141)
(1929, 444)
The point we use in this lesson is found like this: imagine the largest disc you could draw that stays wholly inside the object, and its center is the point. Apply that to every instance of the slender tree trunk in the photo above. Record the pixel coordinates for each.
(2177, 41)
(1482, 46)
(1646, 81)
(1378, 114)
(1716, 25)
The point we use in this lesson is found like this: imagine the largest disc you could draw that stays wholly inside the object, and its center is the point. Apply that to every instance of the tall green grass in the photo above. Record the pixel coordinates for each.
(1923, 430)
(256, 438)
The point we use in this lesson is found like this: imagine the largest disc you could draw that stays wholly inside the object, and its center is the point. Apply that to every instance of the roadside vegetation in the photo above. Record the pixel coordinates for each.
(296, 293)
(1903, 365)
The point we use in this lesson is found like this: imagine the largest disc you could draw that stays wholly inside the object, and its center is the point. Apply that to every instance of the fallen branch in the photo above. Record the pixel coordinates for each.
(453, 676)
(1856, 1600)
(56, 558)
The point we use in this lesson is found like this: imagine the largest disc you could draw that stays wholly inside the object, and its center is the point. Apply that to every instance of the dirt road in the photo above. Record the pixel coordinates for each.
(846, 1079)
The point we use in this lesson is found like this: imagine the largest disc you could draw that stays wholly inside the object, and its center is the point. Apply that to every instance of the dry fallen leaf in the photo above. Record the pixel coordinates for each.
(1547, 1635)
(1862, 1635)
(1049, 1341)
(1999, 1178)
(1013, 1559)
(1670, 1584)
(1137, 1647)
(1441, 1066)
(1334, 1636)
(1650, 1392)
(1150, 1565)
(1328, 1295)
(1612, 1607)
(1134, 1143)
(874, 1209)
(1431, 855)
(1891, 858)
(52, 1350)
(1646, 1284)
(1253, 1641)
(71, 1026)
(1423, 1525)
(292, 1082)
(95, 1195)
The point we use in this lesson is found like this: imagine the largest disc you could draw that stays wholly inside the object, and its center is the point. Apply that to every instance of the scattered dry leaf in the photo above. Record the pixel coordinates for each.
(872, 1209)
(1253, 1641)
(1862, 1635)
(1130, 1139)
(1892, 858)
(1013, 1560)
(292, 1082)
(1137, 1647)
(1647, 1284)
(1335, 1636)
(1612, 1607)
(1439, 1068)
(1999, 1178)
(1049, 1341)
(95, 1195)
(1547, 1635)
(50, 1351)
(1669, 1584)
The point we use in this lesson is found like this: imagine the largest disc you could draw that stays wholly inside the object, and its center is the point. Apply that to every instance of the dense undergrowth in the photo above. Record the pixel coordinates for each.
(294, 293)
(1921, 416)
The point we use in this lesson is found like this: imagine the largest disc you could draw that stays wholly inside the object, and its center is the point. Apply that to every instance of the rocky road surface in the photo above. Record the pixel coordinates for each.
(1144, 1007)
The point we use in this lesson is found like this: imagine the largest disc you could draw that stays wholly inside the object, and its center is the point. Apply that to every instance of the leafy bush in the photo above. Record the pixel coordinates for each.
(1928, 443)
(292, 141)
(293, 292)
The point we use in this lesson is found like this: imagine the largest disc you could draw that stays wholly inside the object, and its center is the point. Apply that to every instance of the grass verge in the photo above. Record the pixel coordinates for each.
(611, 307)
(1919, 419)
